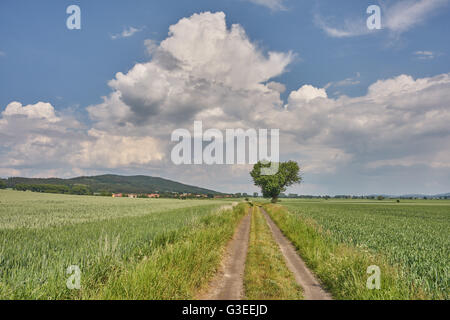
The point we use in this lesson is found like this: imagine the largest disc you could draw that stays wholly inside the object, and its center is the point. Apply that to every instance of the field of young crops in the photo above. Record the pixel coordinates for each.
(412, 235)
(41, 235)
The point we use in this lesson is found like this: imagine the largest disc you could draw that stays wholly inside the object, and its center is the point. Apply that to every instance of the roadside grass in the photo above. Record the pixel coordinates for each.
(266, 274)
(180, 268)
(340, 267)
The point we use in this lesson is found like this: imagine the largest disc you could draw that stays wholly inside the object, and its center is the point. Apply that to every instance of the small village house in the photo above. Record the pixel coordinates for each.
(153, 195)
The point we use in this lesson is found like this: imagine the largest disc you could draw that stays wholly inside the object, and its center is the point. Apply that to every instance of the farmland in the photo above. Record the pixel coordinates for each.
(42, 234)
(171, 249)
(411, 236)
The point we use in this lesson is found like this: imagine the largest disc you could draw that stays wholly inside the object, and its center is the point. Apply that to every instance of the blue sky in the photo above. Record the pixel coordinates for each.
(35, 41)
(42, 61)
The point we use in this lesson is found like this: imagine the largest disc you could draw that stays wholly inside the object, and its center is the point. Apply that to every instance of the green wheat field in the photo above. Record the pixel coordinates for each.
(41, 235)
(169, 248)
(413, 235)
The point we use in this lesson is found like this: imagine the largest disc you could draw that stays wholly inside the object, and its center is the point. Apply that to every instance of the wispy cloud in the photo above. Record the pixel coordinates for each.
(275, 5)
(351, 81)
(348, 28)
(425, 55)
(127, 32)
(406, 14)
(2, 54)
(396, 18)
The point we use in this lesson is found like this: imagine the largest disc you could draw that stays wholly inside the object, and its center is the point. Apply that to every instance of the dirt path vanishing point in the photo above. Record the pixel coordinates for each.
(228, 284)
(312, 290)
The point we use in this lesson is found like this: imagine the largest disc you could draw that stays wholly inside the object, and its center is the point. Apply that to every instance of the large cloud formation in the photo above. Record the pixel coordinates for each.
(201, 70)
(206, 71)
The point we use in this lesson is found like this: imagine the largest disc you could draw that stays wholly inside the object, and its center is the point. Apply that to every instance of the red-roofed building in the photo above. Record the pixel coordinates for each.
(153, 195)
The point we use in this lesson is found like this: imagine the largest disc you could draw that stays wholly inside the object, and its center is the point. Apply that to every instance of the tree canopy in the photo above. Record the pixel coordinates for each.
(272, 185)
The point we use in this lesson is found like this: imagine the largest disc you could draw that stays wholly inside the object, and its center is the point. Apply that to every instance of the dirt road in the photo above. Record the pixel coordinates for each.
(228, 284)
(312, 290)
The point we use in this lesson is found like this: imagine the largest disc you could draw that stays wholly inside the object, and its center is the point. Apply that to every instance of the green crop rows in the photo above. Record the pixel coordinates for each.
(412, 235)
(42, 234)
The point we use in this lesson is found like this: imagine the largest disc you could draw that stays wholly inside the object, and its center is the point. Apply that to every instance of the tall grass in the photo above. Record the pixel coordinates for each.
(182, 267)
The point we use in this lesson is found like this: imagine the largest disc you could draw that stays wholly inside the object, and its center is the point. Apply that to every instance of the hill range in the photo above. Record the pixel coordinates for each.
(116, 183)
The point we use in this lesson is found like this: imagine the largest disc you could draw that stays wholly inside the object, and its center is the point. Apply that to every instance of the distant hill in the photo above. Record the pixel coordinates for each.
(116, 183)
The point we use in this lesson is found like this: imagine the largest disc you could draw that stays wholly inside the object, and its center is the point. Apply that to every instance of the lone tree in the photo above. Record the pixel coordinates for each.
(272, 185)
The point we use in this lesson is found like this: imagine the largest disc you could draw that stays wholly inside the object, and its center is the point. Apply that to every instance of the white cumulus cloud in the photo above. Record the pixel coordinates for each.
(36, 111)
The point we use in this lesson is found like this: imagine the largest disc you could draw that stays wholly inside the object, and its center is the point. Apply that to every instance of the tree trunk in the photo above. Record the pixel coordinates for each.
(275, 199)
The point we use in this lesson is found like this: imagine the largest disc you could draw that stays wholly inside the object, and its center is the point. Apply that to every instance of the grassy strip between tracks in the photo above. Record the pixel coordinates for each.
(266, 274)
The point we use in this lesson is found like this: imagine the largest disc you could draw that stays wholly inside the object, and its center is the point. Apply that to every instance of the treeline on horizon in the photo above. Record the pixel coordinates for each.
(369, 197)
(52, 188)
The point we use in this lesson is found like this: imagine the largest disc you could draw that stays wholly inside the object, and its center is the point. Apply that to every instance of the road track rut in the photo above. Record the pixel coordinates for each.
(228, 284)
(312, 289)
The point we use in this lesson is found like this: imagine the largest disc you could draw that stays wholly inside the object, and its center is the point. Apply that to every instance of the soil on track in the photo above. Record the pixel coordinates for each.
(228, 284)
(312, 289)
